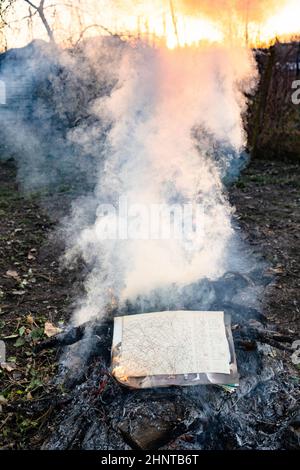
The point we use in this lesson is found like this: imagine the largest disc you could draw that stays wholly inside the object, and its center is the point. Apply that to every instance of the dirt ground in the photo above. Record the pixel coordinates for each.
(267, 201)
(33, 290)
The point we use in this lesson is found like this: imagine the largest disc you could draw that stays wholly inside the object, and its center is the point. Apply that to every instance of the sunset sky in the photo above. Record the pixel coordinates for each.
(195, 20)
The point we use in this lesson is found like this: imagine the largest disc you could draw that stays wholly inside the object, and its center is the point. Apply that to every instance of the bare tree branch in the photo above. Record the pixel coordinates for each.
(31, 4)
(82, 33)
(41, 8)
(174, 20)
(41, 11)
(4, 11)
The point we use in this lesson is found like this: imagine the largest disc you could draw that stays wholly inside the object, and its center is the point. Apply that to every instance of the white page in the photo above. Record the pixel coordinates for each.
(172, 343)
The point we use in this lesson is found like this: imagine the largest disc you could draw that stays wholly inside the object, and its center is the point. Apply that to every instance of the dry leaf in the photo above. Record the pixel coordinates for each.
(18, 292)
(51, 330)
(8, 366)
(30, 319)
(32, 254)
(276, 270)
(3, 400)
(14, 275)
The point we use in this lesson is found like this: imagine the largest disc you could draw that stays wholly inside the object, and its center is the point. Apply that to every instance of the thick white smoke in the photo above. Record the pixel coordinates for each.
(164, 98)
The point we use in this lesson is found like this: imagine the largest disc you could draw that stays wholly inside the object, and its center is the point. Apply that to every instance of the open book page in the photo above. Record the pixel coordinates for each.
(172, 343)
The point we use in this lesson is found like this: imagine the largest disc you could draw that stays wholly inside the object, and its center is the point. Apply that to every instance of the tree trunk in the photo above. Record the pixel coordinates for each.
(45, 22)
(40, 11)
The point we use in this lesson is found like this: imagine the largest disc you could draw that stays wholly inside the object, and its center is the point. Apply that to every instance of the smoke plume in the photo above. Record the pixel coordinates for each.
(151, 126)
(169, 110)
